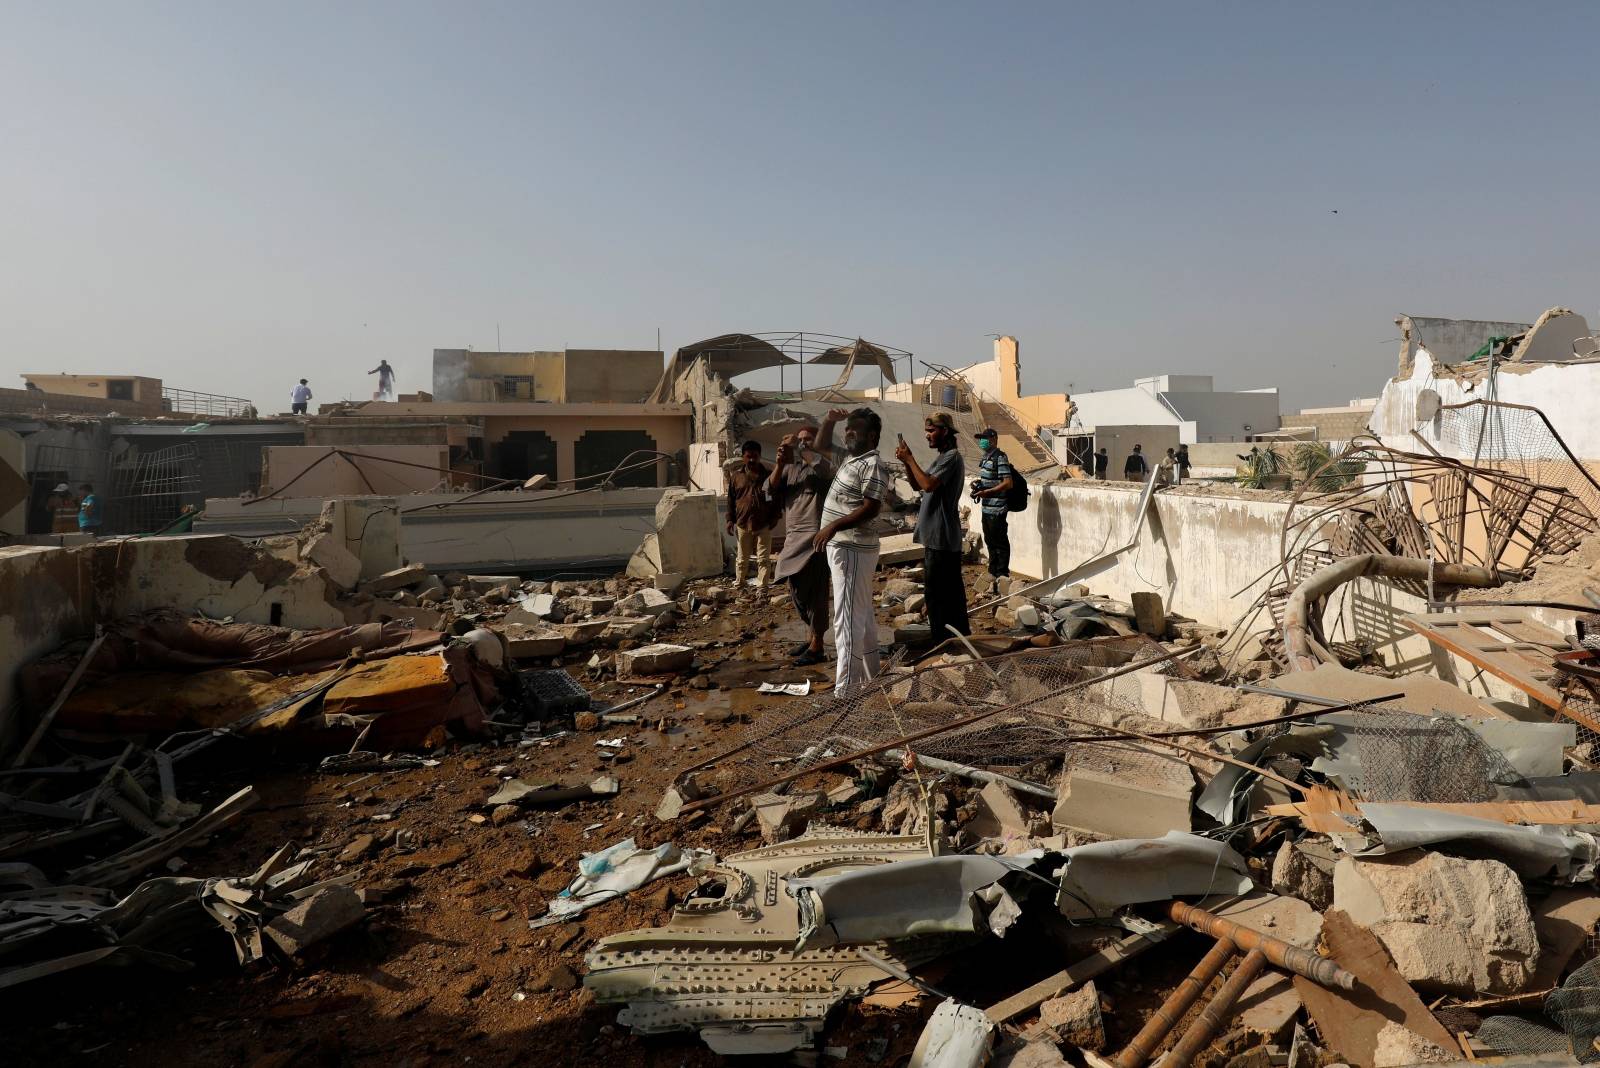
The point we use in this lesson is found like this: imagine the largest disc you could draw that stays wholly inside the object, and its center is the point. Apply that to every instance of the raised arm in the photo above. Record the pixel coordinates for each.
(824, 442)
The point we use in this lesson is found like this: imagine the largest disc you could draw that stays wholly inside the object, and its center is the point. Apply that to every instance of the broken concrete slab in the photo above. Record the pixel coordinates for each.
(670, 583)
(1149, 615)
(898, 549)
(481, 584)
(913, 634)
(782, 816)
(916, 603)
(326, 550)
(659, 659)
(401, 578)
(1144, 797)
(647, 602)
(584, 632)
(1398, 1046)
(523, 644)
(1565, 920)
(1454, 925)
(592, 605)
(999, 815)
(1304, 869)
(687, 540)
(621, 628)
(321, 916)
(1075, 1018)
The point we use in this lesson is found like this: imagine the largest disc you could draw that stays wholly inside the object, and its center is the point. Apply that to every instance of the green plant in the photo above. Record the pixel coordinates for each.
(1260, 467)
(1324, 467)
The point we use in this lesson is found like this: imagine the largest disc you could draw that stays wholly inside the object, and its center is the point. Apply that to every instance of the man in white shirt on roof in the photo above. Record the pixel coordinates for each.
(299, 397)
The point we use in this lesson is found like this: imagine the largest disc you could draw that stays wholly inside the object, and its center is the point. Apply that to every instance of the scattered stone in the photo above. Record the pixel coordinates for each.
(401, 578)
(1028, 615)
(917, 603)
(660, 659)
(782, 816)
(593, 606)
(620, 629)
(359, 846)
(898, 589)
(1005, 618)
(913, 634)
(647, 602)
(1149, 615)
(530, 645)
(718, 594)
(1040, 1053)
(1399, 1046)
(1075, 1017)
(322, 915)
(481, 584)
(1453, 925)
(504, 814)
(909, 619)
(670, 583)
(583, 633)
(558, 978)
(586, 721)
(1305, 870)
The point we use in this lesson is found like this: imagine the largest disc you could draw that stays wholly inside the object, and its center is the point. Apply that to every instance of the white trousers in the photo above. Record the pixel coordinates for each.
(855, 624)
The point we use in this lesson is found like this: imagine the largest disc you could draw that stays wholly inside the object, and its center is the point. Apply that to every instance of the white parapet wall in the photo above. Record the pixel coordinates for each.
(1203, 552)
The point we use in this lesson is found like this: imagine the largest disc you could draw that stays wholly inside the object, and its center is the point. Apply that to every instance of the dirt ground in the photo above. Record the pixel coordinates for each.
(445, 969)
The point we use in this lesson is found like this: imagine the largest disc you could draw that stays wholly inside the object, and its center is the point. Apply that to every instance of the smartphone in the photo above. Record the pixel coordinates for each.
(902, 438)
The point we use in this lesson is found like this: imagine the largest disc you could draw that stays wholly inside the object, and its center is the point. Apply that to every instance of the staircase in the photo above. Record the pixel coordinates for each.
(1026, 451)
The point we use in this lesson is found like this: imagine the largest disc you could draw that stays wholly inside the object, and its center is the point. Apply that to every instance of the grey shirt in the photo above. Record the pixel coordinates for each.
(938, 521)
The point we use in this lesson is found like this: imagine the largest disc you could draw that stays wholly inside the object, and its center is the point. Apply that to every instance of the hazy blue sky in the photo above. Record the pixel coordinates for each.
(232, 196)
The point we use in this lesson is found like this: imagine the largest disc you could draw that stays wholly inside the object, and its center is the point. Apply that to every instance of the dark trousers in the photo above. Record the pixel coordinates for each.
(809, 588)
(945, 591)
(297, 409)
(998, 540)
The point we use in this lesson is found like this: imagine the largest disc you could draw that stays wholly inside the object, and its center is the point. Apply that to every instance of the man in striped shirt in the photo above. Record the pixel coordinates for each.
(995, 479)
(853, 502)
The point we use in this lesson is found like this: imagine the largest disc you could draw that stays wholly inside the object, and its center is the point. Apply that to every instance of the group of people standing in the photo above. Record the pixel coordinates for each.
(69, 513)
(829, 539)
(1170, 471)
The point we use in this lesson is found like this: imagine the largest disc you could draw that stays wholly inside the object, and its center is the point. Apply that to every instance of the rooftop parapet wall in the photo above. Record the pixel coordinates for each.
(1201, 551)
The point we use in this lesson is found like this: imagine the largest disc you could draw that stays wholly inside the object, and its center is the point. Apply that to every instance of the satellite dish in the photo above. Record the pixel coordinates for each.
(1428, 404)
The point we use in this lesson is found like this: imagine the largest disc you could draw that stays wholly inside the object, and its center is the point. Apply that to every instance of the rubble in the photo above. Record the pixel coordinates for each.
(660, 659)
(1450, 924)
(1075, 1018)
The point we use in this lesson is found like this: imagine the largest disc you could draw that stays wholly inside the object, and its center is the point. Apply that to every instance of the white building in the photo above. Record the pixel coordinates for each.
(1189, 403)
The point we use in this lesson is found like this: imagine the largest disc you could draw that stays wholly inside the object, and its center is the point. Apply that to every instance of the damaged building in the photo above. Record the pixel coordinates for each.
(370, 765)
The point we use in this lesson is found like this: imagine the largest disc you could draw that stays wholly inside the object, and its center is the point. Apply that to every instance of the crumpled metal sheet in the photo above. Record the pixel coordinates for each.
(1098, 879)
(1532, 852)
(934, 895)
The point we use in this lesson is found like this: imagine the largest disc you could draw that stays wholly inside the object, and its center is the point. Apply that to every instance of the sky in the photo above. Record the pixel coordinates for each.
(233, 196)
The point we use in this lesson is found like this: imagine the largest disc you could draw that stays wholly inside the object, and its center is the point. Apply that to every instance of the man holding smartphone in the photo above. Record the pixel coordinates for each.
(939, 525)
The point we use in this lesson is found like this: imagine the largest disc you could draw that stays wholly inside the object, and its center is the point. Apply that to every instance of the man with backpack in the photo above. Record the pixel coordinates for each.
(995, 489)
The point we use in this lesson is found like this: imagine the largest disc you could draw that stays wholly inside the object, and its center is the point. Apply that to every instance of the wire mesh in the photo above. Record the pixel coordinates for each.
(1023, 689)
(1518, 439)
(1406, 757)
(149, 489)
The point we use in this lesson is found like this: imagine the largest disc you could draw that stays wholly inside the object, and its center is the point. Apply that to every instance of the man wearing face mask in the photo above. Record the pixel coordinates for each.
(995, 479)
(853, 502)
(939, 525)
(798, 483)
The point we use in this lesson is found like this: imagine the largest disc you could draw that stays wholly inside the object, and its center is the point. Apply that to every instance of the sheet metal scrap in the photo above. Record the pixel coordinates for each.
(46, 929)
(726, 963)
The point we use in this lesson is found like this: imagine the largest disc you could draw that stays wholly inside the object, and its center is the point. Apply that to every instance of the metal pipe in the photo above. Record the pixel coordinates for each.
(1164, 1019)
(1297, 639)
(1313, 966)
(1216, 1013)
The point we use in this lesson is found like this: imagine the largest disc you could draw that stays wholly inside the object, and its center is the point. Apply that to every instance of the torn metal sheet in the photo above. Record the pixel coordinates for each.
(1532, 852)
(956, 1036)
(1531, 748)
(927, 896)
(1098, 879)
(726, 964)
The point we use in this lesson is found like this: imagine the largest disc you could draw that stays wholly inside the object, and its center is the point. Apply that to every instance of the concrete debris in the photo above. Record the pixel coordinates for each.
(321, 916)
(687, 540)
(661, 659)
(782, 816)
(647, 602)
(1453, 925)
(1145, 796)
(1304, 870)
(1075, 1018)
(1399, 1047)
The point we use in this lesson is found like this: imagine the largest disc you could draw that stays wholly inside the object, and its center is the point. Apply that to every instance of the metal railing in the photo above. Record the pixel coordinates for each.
(188, 402)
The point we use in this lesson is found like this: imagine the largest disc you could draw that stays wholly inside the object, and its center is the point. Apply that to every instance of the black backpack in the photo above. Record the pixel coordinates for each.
(1017, 495)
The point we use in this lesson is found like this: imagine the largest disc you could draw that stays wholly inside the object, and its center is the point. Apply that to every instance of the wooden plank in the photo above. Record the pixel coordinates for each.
(1080, 973)
(1504, 660)
(1349, 1021)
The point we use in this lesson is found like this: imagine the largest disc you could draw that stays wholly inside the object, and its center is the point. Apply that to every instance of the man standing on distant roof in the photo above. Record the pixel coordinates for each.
(1102, 463)
(89, 517)
(996, 477)
(939, 525)
(751, 513)
(385, 375)
(63, 509)
(1135, 467)
(299, 397)
(799, 482)
(853, 502)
